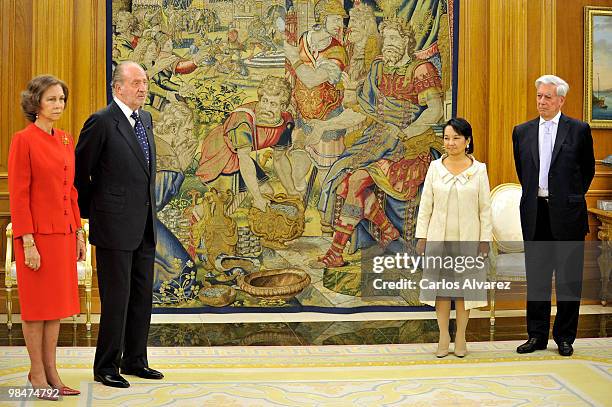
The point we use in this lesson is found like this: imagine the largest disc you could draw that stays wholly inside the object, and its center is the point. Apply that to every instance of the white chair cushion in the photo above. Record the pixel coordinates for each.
(510, 266)
(82, 268)
(81, 271)
(506, 217)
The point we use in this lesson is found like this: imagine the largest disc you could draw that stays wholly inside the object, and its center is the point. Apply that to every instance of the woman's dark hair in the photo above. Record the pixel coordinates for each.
(463, 128)
(30, 97)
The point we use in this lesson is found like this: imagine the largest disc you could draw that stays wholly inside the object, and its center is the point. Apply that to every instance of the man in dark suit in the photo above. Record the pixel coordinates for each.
(554, 161)
(115, 177)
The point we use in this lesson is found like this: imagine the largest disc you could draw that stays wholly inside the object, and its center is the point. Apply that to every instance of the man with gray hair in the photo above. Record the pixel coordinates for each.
(115, 177)
(555, 164)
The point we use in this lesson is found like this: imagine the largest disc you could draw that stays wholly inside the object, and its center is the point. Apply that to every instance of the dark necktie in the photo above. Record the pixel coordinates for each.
(141, 135)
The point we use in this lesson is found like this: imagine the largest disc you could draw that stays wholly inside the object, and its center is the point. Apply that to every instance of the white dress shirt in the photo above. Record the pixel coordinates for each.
(543, 192)
(126, 111)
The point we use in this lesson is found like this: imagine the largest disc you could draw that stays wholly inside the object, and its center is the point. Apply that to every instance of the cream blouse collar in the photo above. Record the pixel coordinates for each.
(463, 177)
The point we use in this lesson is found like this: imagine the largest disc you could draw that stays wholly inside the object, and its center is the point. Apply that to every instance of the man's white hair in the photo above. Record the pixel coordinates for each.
(562, 86)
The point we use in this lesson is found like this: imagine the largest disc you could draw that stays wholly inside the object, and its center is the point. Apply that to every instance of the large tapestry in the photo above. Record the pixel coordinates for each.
(291, 135)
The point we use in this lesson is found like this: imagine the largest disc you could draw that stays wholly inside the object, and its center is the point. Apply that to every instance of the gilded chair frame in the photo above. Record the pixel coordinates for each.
(10, 282)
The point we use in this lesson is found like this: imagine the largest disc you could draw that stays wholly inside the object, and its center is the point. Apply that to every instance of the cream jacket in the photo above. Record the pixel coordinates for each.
(474, 203)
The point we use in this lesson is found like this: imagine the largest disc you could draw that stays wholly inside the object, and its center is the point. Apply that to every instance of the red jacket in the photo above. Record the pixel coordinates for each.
(42, 196)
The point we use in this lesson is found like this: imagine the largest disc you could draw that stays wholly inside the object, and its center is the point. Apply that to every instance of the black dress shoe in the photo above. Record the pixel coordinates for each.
(565, 349)
(531, 345)
(144, 372)
(112, 380)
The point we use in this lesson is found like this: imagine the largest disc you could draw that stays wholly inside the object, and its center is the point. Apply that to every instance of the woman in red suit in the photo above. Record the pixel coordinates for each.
(47, 232)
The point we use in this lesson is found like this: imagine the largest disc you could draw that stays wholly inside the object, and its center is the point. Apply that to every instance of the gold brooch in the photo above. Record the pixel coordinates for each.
(65, 140)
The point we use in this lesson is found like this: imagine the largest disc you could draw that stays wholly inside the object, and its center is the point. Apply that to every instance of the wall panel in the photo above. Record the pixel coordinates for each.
(473, 87)
(15, 70)
(570, 64)
(52, 48)
(507, 80)
(65, 38)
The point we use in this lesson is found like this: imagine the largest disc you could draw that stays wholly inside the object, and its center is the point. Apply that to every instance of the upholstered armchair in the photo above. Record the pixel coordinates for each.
(508, 256)
(84, 270)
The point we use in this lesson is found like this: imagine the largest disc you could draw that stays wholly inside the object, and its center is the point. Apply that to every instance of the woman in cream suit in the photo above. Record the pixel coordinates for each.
(454, 219)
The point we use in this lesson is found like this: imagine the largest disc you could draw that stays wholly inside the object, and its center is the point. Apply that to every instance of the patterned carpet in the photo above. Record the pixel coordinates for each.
(361, 375)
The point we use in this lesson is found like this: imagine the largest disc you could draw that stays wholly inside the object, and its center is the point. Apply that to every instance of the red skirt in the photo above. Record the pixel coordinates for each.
(52, 291)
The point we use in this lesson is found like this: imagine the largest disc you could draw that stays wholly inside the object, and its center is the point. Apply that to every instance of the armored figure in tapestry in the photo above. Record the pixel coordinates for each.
(315, 66)
(363, 45)
(402, 96)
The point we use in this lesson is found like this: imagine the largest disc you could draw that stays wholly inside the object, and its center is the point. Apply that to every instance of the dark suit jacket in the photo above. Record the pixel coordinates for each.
(116, 187)
(572, 168)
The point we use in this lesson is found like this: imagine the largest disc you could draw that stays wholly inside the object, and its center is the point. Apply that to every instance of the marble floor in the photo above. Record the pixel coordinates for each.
(315, 329)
